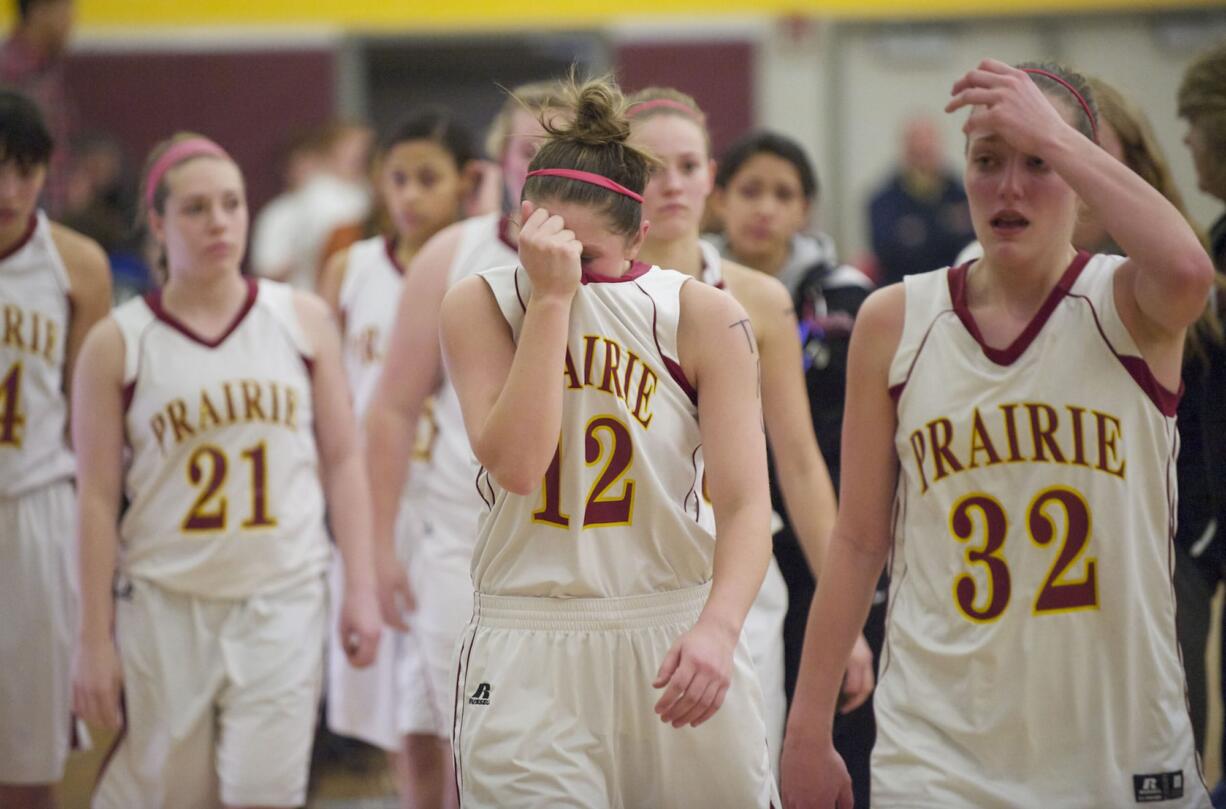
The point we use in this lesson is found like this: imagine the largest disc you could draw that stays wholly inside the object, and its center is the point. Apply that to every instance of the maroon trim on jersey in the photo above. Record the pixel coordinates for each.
(504, 234)
(637, 270)
(897, 390)
(489, 502)
(1165, 400)
(129, 390)
(309, 364)
(518, 294)
(1010, 354)
(389, 245)
(25, 238)
(154, 299)
(674, 368)
(694, 488)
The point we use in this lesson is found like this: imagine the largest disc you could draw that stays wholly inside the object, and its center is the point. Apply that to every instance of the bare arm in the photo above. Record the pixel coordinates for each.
(98, 435)
(330, 281)
(344, 479)
(720, 356)
(858, 550)
(89, 279)
(411, 372)
(499, 381)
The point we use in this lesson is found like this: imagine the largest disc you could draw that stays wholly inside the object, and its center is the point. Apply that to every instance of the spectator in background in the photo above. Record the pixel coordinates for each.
(327, 187)
(919, 217)
(1202, 102)
(31, 63)
(765, 189)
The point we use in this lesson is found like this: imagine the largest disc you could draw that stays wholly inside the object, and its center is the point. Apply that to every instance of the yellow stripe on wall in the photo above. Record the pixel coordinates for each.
(469, 14)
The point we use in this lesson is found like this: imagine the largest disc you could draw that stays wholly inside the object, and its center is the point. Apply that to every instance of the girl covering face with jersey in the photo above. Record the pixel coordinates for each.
(1018, 415)
(669, 125)
(226, 396)
(605, 611)
(425, 170)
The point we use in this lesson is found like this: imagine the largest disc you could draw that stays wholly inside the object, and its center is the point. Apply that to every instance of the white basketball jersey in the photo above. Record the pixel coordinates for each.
(618, 512)
(1030, 655)
(369, 297)
(223, 480)
(33, 412)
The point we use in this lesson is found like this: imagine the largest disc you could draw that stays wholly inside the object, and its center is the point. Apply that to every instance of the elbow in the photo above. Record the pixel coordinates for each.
(513, 471)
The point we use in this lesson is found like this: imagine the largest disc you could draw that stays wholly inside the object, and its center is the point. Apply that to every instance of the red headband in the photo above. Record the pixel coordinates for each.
(183, 150)
(1085, 106)
(589, 178)
(656, 103)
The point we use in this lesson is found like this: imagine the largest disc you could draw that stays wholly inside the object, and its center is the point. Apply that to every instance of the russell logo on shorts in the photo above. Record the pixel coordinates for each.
(481, 696)
(1157, 787)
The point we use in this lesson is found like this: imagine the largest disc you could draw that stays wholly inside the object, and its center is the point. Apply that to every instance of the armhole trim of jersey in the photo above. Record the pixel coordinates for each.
(674, 368)
(1167, 401)
(896, 391)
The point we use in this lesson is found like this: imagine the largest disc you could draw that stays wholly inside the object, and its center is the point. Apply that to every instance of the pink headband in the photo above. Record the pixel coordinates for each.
(1085, 107)
(589, 178)
(183, 150)
(657, 103)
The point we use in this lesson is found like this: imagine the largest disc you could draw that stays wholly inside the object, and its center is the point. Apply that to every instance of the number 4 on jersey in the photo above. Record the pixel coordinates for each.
(12, 417)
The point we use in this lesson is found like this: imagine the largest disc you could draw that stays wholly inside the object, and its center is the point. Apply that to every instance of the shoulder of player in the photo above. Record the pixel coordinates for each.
(440, 249)
(103, 349)
(332, 277)
(879, 323)
(704, 306)
(83, 258)
(315, 318)
(755, 290)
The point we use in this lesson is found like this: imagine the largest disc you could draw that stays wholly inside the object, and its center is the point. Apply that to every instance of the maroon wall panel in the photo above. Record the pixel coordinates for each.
(718, 74)
(249, 101)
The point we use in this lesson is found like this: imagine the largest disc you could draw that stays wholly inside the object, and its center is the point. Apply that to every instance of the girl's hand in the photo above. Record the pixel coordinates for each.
(697, 672)
(360, 626)
(97, 682)
(1009, 104)
(549, 253)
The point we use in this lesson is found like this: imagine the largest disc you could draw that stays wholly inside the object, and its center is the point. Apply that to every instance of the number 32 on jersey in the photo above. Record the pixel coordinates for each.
(981, 522)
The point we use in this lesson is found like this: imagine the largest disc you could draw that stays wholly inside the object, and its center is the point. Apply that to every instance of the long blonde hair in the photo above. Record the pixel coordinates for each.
(1143, 155)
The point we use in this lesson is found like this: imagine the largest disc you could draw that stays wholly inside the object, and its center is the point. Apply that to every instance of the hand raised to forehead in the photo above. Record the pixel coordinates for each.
(1006, 102)
(549, 252)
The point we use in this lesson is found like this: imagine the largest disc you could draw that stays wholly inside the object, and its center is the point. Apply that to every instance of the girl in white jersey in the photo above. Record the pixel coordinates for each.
(1024, 404)
(605, 612)
(227, 396)
(54, 285)
(445, 506)
(424, 173)
(670, 126)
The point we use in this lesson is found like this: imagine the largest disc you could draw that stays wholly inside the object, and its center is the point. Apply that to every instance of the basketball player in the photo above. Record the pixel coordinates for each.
(1027, 402)
(54, 285)
(444, 515)
(590, 384)
(424, 174)
(228, 396)
(670, 126)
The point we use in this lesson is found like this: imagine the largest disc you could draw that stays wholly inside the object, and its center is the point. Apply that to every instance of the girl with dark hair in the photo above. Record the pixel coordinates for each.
(425, 171)
(1010, 435)
(54, 285)
(433, 588)
(217, 405)
(594, 388)
(669, 125)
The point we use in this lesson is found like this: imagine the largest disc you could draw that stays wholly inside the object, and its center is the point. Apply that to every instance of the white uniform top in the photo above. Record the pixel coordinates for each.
(369, 297)
(452, 466)
(223, 478)
(618, 514)
(33, 412)
(1030, 655)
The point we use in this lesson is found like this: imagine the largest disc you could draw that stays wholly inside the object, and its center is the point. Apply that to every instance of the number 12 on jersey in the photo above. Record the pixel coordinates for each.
(601, 508)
